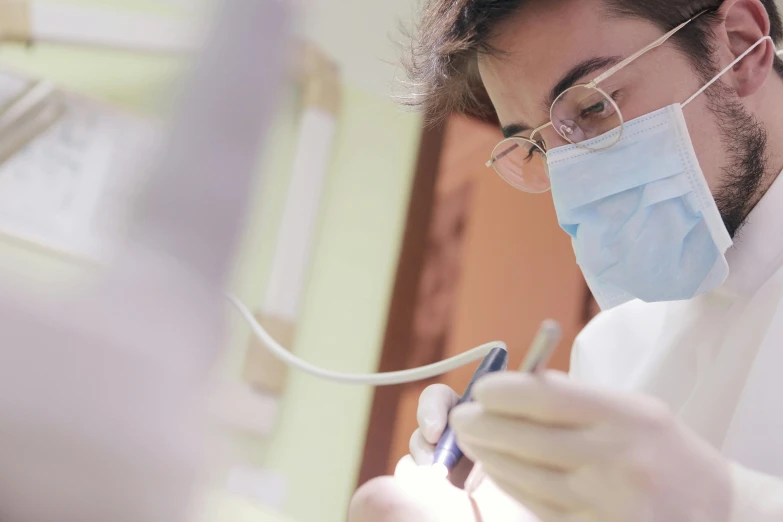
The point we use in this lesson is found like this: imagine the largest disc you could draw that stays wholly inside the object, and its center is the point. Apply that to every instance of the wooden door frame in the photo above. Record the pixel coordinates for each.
(397, 351)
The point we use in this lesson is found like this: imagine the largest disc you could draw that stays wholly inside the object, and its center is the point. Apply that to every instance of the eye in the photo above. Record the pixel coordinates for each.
(601, 109)
(536, 150)
(596, 109)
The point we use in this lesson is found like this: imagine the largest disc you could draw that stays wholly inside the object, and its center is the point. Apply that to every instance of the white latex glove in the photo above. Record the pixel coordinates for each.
(432, 415)
(570, 452)
(435, 403)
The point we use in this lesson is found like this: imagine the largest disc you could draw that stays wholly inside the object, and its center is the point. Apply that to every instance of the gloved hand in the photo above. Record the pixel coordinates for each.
(570, 452)
(432, 415)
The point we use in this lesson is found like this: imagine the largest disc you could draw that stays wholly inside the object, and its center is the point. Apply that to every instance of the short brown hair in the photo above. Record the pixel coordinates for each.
(442, 65)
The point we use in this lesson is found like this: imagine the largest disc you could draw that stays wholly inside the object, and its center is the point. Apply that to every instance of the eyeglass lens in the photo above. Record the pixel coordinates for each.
(582, 113)
(579, 114)
(522, 163)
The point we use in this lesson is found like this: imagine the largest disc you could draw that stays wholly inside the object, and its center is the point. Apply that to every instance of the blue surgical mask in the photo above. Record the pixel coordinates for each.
(641, 217)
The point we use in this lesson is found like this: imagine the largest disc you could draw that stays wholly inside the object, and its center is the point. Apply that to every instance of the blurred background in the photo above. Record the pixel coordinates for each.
(375, 243)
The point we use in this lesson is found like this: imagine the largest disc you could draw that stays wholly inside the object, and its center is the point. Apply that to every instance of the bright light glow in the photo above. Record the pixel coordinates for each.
(426, 486)
(440, 470)
(408, 471)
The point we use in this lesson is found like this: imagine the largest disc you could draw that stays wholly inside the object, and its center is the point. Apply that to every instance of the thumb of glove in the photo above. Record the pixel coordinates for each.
(432, 414)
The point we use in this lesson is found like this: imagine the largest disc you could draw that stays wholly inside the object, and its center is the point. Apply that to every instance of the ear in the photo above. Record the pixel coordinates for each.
(745, 22)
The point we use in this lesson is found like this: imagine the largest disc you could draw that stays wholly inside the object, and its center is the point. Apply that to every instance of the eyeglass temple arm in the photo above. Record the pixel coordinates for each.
(660, 41)
(728, 67)
(657, 43)
(500, 156)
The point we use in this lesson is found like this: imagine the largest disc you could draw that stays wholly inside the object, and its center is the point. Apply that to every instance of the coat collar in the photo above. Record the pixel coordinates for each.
(758, 247)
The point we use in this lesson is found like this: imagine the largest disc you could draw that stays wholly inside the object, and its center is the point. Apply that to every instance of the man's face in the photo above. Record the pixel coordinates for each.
(545, 41)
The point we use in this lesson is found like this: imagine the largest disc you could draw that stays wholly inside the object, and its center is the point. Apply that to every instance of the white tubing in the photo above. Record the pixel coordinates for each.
(372, 379)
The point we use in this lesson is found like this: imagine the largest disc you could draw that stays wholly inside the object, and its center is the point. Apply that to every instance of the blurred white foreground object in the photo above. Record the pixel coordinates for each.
(100, 397)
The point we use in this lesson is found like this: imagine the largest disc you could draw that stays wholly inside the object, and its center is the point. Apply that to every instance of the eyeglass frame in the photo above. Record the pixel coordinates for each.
(593, 84)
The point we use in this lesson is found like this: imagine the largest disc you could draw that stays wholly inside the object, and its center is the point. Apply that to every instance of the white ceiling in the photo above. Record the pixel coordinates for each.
(359, 35)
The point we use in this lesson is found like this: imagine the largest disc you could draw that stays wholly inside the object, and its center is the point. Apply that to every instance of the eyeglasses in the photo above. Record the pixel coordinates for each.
(578, 114)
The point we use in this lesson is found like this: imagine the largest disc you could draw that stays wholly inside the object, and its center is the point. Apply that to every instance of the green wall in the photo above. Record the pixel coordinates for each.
(319, 441)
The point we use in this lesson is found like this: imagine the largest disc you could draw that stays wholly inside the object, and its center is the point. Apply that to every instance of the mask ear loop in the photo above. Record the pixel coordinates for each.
(728, 67)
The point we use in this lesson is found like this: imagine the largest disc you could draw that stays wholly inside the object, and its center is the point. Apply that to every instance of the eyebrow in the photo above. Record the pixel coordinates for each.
(567, 81)
(514, 129)
(578, 72)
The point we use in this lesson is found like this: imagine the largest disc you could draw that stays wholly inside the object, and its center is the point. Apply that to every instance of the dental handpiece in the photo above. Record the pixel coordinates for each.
(447, 453)
(541, 349)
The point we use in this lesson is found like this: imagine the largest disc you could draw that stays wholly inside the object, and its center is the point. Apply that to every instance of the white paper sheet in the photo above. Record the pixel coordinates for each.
(54, 192)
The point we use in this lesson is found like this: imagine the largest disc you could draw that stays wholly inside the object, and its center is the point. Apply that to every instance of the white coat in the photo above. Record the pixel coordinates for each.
(716, 360)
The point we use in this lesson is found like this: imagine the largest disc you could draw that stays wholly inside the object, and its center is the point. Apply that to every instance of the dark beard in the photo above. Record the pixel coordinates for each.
(745, 141)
